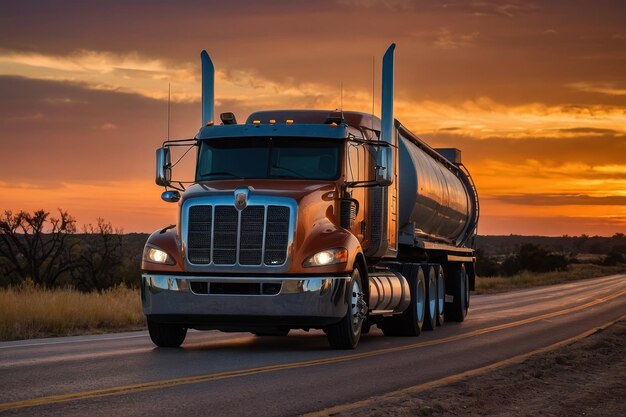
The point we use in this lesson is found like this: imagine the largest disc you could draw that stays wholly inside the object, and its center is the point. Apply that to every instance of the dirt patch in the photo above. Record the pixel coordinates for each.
(586, 378)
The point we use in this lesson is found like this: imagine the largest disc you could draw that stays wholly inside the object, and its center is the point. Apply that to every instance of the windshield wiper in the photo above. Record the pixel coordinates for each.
(230, 174)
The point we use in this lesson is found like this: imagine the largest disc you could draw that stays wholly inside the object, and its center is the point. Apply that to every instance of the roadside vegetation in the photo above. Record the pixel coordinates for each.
(532, 265)
(525, 279)
(29, 312)
(55, 281)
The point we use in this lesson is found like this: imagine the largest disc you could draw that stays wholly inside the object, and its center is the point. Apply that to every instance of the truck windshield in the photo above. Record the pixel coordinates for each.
(258, 158)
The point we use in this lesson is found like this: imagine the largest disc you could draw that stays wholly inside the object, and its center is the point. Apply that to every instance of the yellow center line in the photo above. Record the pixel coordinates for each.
(165, 383)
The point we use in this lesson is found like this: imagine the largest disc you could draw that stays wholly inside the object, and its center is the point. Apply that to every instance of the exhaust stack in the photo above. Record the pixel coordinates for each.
(387, 119)
(208, 88)
(385, 154)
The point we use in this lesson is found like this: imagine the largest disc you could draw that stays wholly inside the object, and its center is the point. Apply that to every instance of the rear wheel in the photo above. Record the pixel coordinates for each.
(441, 294)
(410, 322)
(458, 285)
(166, 335)
(346, 333)
(430, 320)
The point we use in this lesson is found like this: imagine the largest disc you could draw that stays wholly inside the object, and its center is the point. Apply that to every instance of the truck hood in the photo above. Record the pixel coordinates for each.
(295, 189)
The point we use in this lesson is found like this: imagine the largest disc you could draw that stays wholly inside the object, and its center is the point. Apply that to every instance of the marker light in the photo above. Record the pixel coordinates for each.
(289, 122)
(272, 122)
(333, 124)
(256, 122)
(157, 256)
(209, 123)
(327, 257)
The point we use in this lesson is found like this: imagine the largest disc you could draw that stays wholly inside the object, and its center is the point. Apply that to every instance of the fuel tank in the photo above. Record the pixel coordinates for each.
(436, 201)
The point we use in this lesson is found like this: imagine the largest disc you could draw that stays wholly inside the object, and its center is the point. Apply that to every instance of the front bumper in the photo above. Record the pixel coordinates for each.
(293, 302)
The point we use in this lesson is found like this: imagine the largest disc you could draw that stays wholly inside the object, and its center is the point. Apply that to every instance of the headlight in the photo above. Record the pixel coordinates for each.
(327, 257)
(157, 256)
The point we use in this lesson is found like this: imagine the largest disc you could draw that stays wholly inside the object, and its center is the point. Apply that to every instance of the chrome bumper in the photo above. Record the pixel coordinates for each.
(316, 299)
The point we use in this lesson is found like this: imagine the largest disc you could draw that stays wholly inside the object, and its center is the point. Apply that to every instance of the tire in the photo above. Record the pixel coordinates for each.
(166, 335)
(441, 294)
(458, 285)
(277, 332)
(366, 327)
(430, 319)
(346, 333)
(410, 322)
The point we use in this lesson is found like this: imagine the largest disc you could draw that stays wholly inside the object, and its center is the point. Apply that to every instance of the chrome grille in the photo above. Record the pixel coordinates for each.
(199, 240)
(222, 235)
(225, 235)
(276, 235)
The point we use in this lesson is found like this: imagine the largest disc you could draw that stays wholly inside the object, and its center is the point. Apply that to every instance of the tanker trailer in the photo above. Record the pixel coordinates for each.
(310, 219)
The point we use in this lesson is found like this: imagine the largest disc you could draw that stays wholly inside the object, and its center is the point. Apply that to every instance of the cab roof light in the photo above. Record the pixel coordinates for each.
(272, 121)
(289, 121)
(228, 118)
(256, 122)
(209, 123)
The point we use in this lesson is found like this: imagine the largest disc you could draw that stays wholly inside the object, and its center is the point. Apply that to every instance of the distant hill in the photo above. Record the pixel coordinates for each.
(503, 245)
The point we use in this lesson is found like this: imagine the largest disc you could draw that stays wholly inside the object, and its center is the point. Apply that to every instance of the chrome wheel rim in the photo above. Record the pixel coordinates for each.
(432, 297)
(441, 292)
(420, 301)
(358, 307)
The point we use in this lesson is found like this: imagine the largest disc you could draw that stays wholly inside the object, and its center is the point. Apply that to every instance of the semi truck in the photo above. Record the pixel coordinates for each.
(311, 219)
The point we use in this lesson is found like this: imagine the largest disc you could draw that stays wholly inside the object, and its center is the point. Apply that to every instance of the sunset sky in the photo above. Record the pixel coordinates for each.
(534, 93)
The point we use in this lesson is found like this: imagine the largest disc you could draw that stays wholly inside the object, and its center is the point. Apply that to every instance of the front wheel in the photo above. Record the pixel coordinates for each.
(346, 333)
(166, 335)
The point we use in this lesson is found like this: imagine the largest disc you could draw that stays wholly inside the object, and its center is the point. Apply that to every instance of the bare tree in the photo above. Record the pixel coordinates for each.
(97, 266)
(35, 245)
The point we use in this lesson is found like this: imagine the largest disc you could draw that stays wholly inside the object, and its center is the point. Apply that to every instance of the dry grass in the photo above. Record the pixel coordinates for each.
(29, 312)
(531, 279)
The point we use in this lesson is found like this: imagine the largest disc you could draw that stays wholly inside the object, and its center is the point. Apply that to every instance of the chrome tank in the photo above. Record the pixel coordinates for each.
(434, 203)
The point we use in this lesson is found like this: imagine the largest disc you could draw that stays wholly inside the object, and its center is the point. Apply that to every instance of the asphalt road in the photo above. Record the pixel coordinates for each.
(220, 374)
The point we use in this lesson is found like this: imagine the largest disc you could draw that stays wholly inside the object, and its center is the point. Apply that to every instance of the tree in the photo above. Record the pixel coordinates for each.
(99, 258)
(36, 246)
(534, 258)
(485, 265)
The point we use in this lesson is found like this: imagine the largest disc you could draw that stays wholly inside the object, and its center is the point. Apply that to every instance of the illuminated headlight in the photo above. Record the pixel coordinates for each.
(157, 256)
(327, 257)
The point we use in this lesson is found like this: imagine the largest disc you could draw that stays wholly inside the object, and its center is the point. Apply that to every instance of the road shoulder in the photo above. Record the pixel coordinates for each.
(585, 377)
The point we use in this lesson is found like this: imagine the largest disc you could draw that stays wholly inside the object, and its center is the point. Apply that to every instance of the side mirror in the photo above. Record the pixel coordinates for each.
(383, 168)
(170, 196)
(163, 167)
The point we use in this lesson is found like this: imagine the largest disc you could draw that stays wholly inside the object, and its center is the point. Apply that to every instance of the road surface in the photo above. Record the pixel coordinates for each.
(223, 374)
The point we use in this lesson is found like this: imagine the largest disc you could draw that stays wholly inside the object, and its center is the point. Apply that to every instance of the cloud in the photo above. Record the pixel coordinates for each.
(149, 77)
(563, 200)
(393, 5)
(448, 40)
(493, 7)
(608, 89)
(485, 118)
(97, 70)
